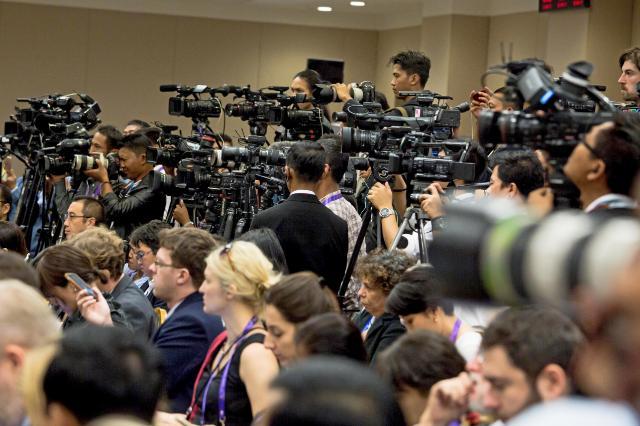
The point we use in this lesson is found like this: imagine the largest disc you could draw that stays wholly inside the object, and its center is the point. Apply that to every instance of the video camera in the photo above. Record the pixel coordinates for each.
(197, 107)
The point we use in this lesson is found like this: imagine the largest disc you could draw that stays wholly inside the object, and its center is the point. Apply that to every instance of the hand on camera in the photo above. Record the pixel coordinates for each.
(342, 90)
(431, 202)
(94, 310)
(99, 175)
(448, 401)
(181, 214)
(480, 101)
(381, 196)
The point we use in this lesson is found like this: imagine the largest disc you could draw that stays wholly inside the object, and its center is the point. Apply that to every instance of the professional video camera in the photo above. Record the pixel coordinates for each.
(271, 106)
(253, 154)
(497, 251)
(549, 123)
(50, 137)
(197, 107)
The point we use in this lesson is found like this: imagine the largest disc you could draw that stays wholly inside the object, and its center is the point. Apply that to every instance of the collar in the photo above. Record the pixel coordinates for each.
(302, 191)
(331, 197)
(173, 309)
(611, 201)
(123, 282)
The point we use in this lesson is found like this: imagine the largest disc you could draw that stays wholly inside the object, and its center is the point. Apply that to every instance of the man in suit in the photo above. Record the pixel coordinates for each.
(312, 237)
(185, 336)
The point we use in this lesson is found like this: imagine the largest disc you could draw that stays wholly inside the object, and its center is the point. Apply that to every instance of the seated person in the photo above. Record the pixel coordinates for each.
(12, 238)
(417, 299)
(413, 364)
(329, 334)
(378, 272)
(83, 213)
(145, 242)
(6, 202)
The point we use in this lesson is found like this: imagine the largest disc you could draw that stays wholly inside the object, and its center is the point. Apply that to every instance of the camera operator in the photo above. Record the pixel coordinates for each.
(134, 126)
(104, 141)
(137, 204)
(410, 73)
(604, 164)
(312, 237)
(629, 63)
(302, 83)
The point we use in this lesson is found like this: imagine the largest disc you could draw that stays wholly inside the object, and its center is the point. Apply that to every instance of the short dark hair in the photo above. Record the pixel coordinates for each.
(413, 62)
(520, 167)
(419, 360)
(113, 135)
(140, 123)
(383, 268)
(299, 297)
(12, 265)
(334, 391)
(419, 290)
(105, 370)
(189, 249)
(512, 97)
(92, 207)
(269, 244)
(534, 337)
(335, 158)
(632, 54)
(331, 334)
(308, 160)
(149, 234)
(619, 148)
(312, 77)
(136, 142)
(12, 238)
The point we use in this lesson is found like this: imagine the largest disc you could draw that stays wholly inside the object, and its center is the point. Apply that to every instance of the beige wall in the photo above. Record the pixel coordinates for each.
(120, 59)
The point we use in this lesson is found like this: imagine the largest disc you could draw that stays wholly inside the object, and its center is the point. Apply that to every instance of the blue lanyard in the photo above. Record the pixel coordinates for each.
(331, 199)
(225, 375)
(367, 326)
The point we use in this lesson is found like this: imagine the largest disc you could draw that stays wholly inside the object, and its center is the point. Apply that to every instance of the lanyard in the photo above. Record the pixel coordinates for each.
(368, 325)
(225, 375)
(456, 329)
(331, 199)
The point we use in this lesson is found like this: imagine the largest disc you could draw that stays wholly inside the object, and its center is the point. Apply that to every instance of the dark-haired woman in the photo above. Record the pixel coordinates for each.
(293, 300)
(78, 306)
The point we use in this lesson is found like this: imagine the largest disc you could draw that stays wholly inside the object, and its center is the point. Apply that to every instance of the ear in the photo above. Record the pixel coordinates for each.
(91, 221)
(597, 171)
(183, 276)
(513, 190)
(59, 415)
(552, 382)
(16, 355)
(231, 291)
(414, 79)
(327, 171)
(5, 208)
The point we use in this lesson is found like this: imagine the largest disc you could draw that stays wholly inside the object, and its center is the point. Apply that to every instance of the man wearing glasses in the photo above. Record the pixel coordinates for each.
(185, 336)
(83, 213)
(603, 166)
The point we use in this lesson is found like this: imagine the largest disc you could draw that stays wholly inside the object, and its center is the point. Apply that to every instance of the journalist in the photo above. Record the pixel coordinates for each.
(104, 141)
(410, 73)
(83, 213)
(604, 164)
(629, 63)
(137, 203)
(312, 237)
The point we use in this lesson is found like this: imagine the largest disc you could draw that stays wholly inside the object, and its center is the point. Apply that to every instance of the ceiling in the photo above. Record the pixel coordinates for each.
(376, 15)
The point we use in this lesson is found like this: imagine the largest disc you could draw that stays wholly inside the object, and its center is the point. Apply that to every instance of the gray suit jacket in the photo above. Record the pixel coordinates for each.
(137, 308)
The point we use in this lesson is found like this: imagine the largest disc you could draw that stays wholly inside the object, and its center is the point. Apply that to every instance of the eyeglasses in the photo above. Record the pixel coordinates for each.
(73, 216)
(226, 251)
(162, 264)
(141, 254)
(591, 149)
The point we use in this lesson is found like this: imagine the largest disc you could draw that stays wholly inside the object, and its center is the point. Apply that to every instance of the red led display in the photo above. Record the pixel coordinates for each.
(550, 5)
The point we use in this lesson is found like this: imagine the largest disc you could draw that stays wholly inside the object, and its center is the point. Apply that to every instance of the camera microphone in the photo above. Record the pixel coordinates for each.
(463, 107)
(169, 87)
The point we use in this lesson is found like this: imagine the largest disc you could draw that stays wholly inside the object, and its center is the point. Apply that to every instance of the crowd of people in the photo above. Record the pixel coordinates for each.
(136, 318)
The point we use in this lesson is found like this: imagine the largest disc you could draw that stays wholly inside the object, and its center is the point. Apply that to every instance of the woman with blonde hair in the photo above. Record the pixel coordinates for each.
(234, 379)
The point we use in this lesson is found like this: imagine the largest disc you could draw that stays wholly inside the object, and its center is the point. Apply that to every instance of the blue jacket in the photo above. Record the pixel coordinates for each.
(184, 339)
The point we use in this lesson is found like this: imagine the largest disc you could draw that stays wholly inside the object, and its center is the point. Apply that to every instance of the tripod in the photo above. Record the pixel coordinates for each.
(421, 229)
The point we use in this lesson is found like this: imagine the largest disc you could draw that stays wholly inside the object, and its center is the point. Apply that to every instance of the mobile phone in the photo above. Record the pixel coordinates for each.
(80, 283)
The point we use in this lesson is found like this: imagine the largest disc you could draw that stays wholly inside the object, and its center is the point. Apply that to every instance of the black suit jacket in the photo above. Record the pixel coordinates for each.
(183, 340)
(312, 237)
(383, 332)
(135, 207)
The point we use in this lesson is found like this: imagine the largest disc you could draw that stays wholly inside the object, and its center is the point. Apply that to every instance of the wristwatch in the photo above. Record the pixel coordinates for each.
(385, 212)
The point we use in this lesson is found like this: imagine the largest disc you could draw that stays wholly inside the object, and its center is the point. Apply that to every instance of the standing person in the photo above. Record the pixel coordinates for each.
(312, 237)
(234, 381)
